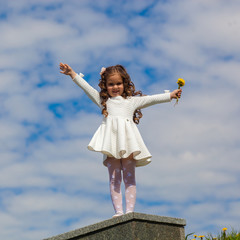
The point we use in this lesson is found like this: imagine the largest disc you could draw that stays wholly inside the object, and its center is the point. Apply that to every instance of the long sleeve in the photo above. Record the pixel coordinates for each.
(146, 101)
(91, 92)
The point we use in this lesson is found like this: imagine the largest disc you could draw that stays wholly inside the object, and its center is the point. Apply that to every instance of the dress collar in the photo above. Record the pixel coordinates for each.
(116, 98)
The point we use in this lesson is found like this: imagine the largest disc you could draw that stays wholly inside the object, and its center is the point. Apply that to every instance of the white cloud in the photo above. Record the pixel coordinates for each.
(46, 170)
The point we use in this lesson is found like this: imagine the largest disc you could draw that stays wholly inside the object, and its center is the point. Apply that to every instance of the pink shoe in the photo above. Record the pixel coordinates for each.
(128, 212)
(117, 215)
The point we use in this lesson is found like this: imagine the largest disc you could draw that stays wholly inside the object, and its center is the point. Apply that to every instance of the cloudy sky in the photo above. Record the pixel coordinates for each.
(49, 182)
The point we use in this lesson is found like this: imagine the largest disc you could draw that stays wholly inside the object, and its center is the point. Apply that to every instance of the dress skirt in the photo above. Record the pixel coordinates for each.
(119, 137)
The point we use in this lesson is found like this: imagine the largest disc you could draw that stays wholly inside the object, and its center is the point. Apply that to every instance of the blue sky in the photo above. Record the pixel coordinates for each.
(49, 182)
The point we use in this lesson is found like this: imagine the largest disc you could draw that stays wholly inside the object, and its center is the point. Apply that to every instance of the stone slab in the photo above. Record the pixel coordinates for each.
(132, 226)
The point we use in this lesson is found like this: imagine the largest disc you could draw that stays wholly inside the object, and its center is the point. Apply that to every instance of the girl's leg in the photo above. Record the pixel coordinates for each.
(129, 165)
(115, 179)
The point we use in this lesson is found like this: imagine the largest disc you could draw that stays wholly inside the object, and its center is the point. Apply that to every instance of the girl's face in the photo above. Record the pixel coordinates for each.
(115, 85)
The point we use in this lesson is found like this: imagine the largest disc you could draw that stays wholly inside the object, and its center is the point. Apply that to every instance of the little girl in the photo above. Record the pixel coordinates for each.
(118, 137)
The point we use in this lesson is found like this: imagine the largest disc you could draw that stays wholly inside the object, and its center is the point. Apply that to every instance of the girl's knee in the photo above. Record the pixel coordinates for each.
(128, 167)
(114, 169)
(129, 171)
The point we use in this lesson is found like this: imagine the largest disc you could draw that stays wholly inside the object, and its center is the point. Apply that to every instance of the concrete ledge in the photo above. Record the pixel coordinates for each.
(136, 226)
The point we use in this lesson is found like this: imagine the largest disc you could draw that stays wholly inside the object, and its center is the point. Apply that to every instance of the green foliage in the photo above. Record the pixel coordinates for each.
(186, 238)
(224, 235)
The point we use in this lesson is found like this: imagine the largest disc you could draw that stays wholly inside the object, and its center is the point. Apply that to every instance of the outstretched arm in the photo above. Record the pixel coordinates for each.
(67, 70)
(92, 93)
(146, 101)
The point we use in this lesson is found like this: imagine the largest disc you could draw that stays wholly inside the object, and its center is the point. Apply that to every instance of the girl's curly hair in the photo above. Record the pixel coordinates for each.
(128, 85)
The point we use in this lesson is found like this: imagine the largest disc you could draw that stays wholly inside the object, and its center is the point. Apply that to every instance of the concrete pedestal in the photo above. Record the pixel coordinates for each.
(132, 226)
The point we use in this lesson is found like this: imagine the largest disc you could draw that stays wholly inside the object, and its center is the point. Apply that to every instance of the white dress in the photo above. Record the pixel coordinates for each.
(118, 136)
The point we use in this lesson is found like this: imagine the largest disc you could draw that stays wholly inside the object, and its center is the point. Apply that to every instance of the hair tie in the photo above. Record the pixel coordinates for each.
(102, 71)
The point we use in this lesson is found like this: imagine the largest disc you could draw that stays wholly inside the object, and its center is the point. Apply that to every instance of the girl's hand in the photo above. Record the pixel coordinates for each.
(67, 70)
(176, 93)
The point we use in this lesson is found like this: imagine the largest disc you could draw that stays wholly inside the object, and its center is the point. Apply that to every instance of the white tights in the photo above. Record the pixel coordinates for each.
(117, 168)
